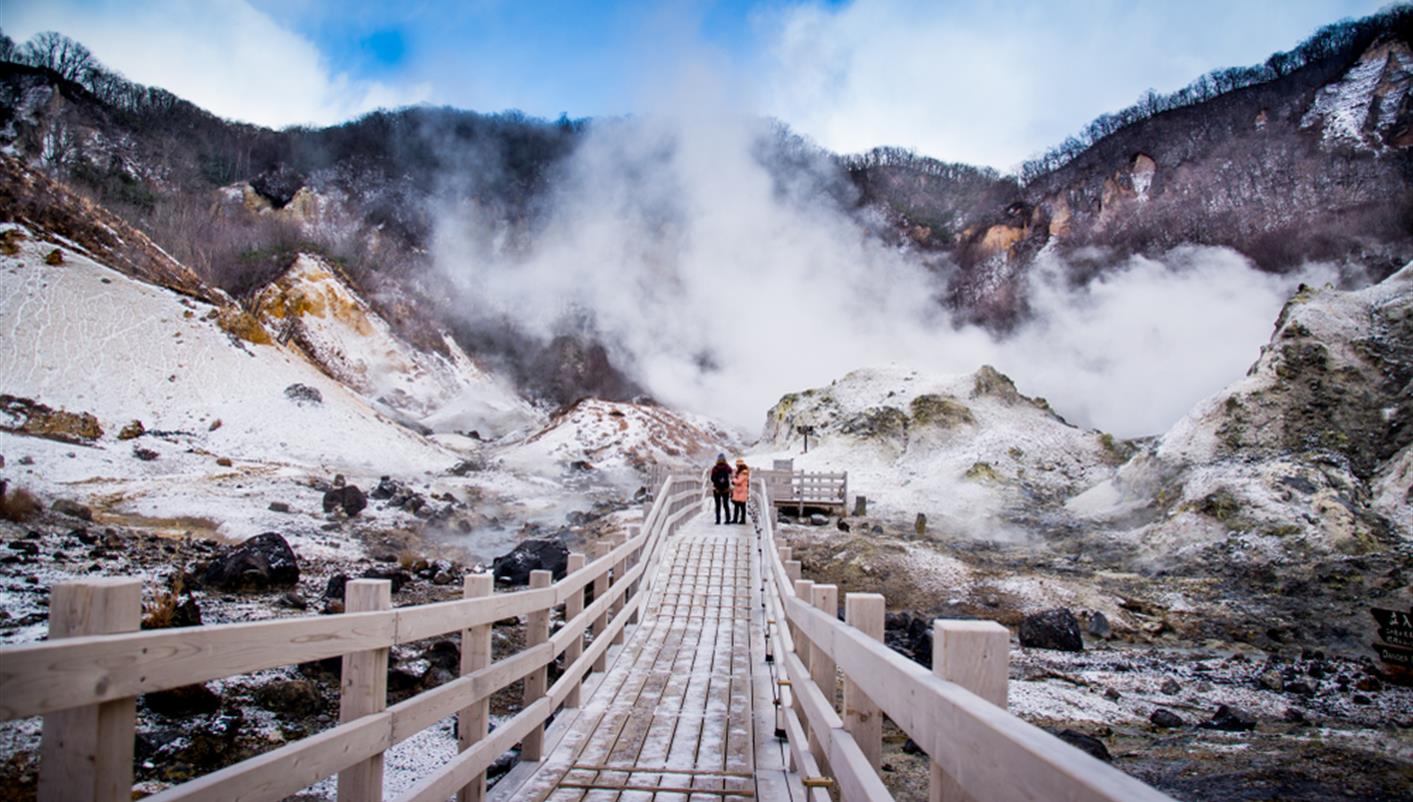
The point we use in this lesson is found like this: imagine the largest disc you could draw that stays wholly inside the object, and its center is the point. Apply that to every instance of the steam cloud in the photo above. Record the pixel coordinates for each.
(722, 285)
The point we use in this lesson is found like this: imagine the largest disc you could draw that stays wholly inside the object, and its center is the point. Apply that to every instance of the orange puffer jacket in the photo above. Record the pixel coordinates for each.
(741, 485)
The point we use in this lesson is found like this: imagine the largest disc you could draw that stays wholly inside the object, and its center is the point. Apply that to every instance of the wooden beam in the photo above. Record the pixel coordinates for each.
(86, 753)
(537, 627)
(363, 690)
(472, 723)
(573, 606)
(862, 718)
(974, 655)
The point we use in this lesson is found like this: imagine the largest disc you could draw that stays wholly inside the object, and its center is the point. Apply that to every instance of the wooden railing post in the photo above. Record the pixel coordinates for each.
(364, 689)
(618, 570)
(822, 668)
(573, 606)
(794, 570)
(631, 561)
(974, 655)
(537, 626)
(862, 718)
(86, 753)
(804, 591)
(597, 550)
(473, 721)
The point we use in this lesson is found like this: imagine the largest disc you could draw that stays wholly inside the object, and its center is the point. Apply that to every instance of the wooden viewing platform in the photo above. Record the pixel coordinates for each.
(704, 668)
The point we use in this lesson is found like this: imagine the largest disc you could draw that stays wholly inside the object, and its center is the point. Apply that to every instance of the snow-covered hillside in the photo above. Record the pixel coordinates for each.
(958, 448)
(1309, 451)
(85, 339)
(623, 440)
(313, 308)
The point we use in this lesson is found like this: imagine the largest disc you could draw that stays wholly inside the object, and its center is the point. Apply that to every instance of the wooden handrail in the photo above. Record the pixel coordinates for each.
(990, 753)
(43, 678)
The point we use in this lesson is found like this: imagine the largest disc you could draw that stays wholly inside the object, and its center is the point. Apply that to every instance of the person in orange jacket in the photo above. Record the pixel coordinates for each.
(740, 491)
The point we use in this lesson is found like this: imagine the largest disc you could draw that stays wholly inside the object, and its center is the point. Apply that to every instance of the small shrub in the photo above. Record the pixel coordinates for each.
(18, 505)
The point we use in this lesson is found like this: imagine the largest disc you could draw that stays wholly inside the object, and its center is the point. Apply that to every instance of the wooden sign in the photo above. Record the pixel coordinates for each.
(1396, 651)
(1395, 655)
(1395, 627)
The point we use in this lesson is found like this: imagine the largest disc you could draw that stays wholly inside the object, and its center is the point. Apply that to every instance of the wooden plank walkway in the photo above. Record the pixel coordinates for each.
(684, 712)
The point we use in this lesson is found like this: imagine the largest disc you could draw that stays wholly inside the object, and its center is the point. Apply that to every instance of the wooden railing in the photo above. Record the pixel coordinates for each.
(85, 680)
(956, 712)
(806, 488)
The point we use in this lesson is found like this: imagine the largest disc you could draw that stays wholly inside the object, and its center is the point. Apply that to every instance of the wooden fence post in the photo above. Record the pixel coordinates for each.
(364, 689)
(597, 550)
(86, 753)
(822, 668)
(473, 721)
(631, 561)
(537, 626)
(974, 655)
(804, 591)
(862, 718)
(573, 606)
(618, 570)
(794, 570)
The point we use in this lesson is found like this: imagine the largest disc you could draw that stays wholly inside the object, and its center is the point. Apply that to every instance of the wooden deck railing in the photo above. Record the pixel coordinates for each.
(790, 487)
(85, 680)
(956, 713)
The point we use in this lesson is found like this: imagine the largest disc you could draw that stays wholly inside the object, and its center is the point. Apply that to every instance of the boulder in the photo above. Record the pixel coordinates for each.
(295, 697)
(334, 589)
(1056, 629)
(817, 519)
(183, 702)
(1231, 719)
(397, 577)
(531, 555)
(303, 394)
(1099, 625)
(133, 430)
(279, 506)
(1086, 743)
(1163, 717)
(263, 562)
(347, 498)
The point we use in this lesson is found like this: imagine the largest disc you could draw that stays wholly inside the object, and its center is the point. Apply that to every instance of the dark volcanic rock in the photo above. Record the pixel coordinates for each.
(348, 498)
(1085, 743)
(303, 394)
(909, 635)
(1163, 717)
(188, 700)
(1231, 719)
(531, 555)
(260, 563)
(1052, 629)
(296, 697)
(334, 589)
(397, 577)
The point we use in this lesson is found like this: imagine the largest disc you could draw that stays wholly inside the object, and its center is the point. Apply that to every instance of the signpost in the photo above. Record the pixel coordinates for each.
(1396, 651)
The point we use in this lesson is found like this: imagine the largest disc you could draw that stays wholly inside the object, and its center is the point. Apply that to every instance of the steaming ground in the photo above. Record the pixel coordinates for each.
(722, 284)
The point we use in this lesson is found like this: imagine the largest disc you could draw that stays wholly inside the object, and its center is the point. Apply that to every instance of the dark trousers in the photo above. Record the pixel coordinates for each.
(723, 498)
(738, 512)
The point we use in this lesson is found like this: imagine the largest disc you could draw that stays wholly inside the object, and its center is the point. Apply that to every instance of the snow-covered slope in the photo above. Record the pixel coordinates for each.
(1363, 107)
(1309, 451)
(958, 448)
(312, 307)
(619, 438)
(85, 338)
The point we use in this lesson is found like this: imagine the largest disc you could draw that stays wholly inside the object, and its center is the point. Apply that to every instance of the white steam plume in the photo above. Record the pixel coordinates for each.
(721, 290)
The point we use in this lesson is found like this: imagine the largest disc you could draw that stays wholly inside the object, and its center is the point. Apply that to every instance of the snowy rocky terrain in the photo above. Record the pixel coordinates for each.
(1231, 561)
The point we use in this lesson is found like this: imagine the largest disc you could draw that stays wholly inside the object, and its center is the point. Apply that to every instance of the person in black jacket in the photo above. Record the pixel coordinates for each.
(721, 487)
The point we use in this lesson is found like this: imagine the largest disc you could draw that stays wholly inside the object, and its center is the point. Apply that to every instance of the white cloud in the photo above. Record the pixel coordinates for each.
(223, 55)
(994, 83)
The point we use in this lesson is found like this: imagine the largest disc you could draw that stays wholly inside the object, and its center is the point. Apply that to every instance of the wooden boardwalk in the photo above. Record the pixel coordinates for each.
(684, 712)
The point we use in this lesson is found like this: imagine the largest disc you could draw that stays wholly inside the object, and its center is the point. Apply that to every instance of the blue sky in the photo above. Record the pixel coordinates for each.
(964, 80)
